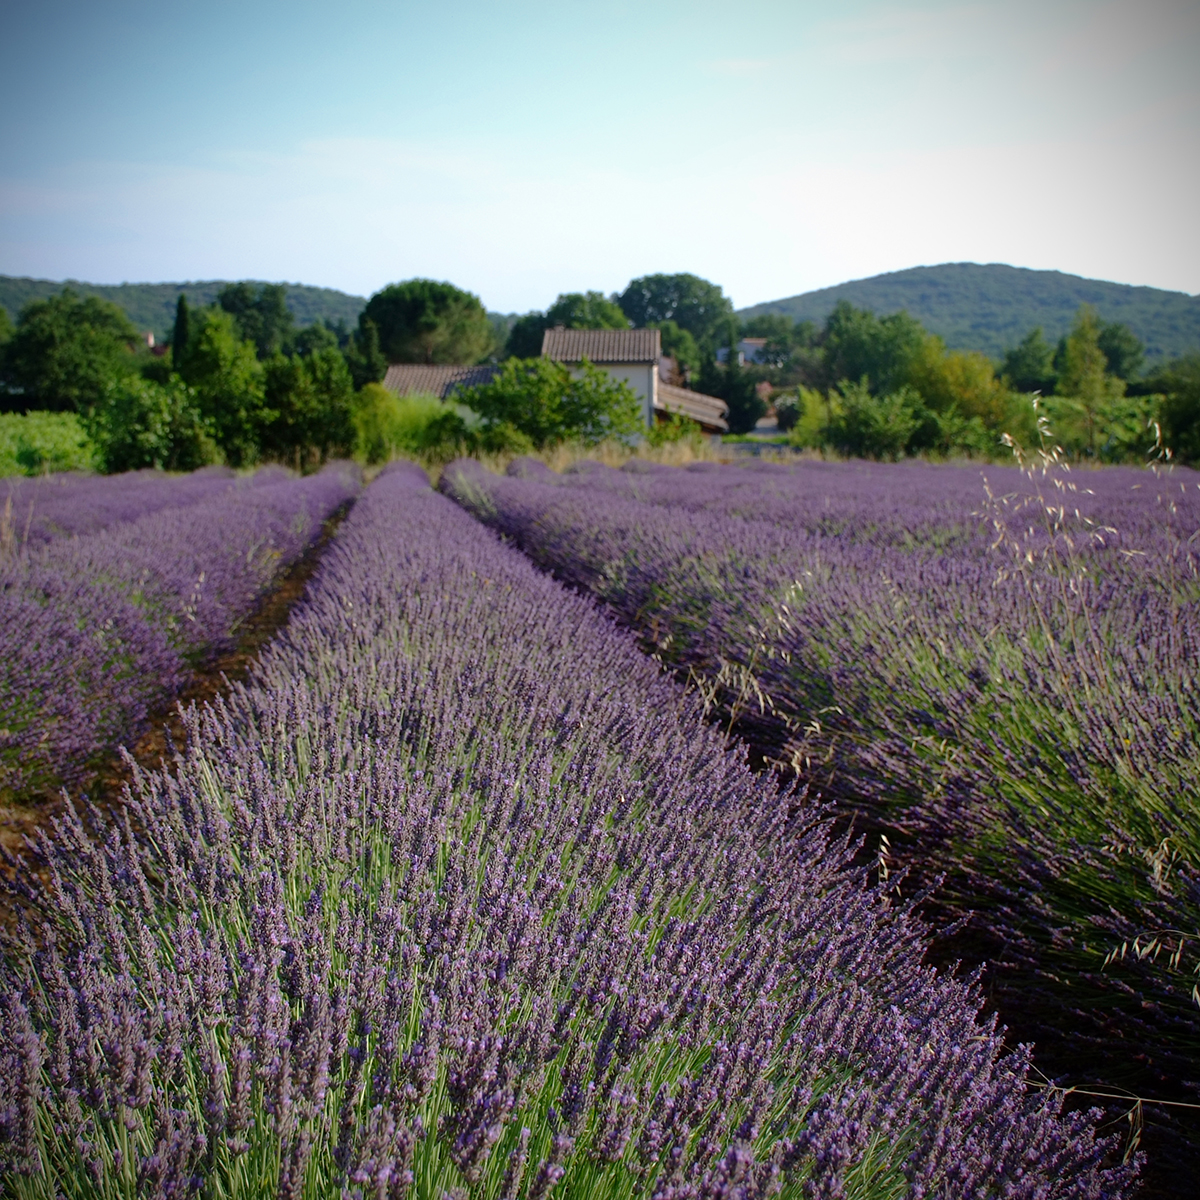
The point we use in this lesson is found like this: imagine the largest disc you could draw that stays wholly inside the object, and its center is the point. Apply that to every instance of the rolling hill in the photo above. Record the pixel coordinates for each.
(991, 307)
(151, 306)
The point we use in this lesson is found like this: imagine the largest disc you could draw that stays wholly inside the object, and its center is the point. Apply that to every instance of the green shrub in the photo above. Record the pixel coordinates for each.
(547, 403)
(389, 426)
(39, 442)
(674, 427)
(139, 423)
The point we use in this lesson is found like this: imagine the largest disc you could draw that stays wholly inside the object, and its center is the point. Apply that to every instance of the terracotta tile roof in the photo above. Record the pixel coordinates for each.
(602, 345)
(709, 411)
(408, 379)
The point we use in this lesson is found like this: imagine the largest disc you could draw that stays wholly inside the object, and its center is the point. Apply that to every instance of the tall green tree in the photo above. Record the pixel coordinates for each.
(308, 406)
(572, 310)
(586, 310)
(678, 344)
(224, 370)
(366, 360)
(425, 321)
(694, 304)
(733, 384)
(65, 351)
(1179, 382)
(525, 337)
(856, 344)
(1089, 391)
(180, 333)
(262, 315)
(1123, 350)
(1029, 366)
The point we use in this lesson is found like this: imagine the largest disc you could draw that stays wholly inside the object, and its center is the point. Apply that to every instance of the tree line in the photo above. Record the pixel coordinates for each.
(240, 382)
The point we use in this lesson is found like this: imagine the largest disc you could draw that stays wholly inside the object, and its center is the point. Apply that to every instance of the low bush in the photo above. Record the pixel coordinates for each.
(39, 443)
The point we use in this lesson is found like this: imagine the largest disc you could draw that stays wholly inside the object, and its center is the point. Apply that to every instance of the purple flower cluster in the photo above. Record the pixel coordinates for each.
(999, 669)
(95, 630)
(51, 506)
(461, 896)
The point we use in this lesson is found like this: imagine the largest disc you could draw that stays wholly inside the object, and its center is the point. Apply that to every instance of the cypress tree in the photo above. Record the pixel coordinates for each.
(179, 335)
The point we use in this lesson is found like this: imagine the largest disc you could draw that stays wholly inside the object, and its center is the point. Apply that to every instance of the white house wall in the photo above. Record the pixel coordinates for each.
(643, 382)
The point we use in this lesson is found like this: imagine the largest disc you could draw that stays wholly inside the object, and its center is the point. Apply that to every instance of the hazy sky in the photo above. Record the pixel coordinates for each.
(524, 149)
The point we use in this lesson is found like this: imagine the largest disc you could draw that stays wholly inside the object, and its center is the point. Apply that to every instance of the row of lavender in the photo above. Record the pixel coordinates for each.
(1000, 671)
(96, 630)
(462, 896)
(36, 511)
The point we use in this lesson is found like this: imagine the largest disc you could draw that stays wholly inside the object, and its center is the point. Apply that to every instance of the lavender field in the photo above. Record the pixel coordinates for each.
(995, 670)
(462, 896)
(99, 627)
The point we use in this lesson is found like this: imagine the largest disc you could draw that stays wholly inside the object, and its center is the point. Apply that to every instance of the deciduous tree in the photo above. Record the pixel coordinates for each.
(1029, 366)
(692, 303)
(65, 351)
(262, 316)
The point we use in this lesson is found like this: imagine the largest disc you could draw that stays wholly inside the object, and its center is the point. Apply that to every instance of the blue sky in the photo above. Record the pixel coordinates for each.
(525, 149)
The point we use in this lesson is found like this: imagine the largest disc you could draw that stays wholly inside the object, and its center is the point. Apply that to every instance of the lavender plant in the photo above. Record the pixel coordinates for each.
(1000, 672)
(95, 630)
(36, 511)
(460, 896)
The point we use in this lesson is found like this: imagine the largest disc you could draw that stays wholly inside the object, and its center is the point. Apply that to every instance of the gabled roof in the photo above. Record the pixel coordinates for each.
(409, 379)
(602, 345)
(709, 411)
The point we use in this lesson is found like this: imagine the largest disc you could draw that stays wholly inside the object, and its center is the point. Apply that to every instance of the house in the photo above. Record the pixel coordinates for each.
(635, 357)
(631, 355)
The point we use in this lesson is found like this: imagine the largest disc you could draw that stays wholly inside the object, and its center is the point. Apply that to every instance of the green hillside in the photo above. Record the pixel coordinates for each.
(151, 306)
(991, 307)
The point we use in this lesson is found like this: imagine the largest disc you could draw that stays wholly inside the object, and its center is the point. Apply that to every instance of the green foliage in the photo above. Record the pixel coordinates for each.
(1123, 350)
(525, 337)
(36, 443)
(990, 308)
(586, 310)
(261, 315)
(671, 428)
(732, 383)
(1029, 366)
(308, 406)
(1179, 408)
(871, 426)
(181, 330)
(6, 329)
(787, 340)
(548, 403)
(424, 427)
(572, 310)
(694, 304)
(227, 378)
(679, 344)
(152, 306)
(424, 321)
(139, 423)
(365, 359)
(857, 345)
(65, 351)
(1083, 378)
(314, 338)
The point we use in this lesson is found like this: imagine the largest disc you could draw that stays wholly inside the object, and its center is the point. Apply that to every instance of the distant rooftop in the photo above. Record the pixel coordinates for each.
(602, 345)
(411, 379)
(709, 411)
